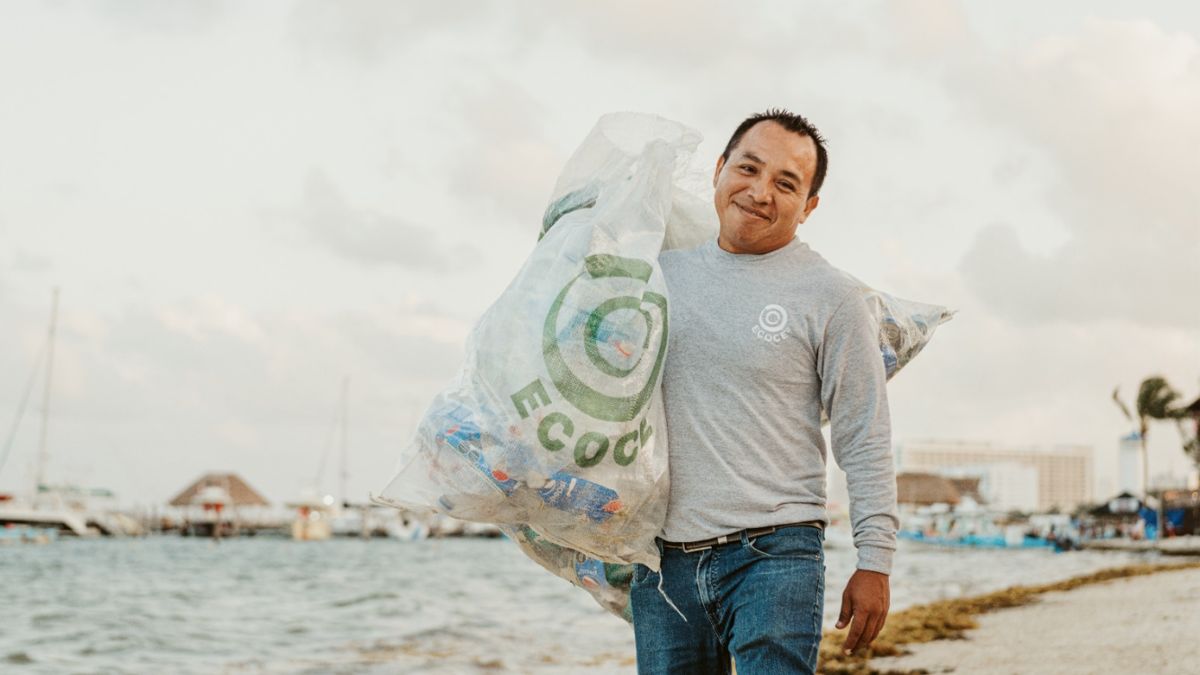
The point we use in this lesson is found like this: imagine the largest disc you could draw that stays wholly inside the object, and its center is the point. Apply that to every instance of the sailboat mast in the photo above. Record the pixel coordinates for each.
(43, 456)
(345, 472)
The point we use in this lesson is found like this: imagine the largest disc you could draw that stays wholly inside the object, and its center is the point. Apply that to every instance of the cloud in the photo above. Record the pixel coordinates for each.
(927, 29)
(265, 365)
(673, 37)
(686, 37)
(1112, 108)
(164, 16)
(506, 161)
(362, 235)
(370, 31)
(1133, 278)
(32, 263)
(21, 268)
(208, 318)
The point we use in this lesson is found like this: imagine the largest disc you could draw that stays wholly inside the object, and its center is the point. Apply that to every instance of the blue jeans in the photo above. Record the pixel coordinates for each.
(758, 600)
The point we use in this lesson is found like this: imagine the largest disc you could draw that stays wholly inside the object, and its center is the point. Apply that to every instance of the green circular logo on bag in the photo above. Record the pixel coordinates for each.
(612, 380)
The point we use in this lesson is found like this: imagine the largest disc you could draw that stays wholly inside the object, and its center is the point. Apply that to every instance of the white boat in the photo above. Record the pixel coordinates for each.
(319, 517)
(970, 528)
(405, 526)
(56, 519)
(314, 518)
(311, 524)
(367, 521)
(442, 525)
(67, 509)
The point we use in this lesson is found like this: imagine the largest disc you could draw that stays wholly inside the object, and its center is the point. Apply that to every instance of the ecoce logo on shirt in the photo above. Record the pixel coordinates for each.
(772, 324)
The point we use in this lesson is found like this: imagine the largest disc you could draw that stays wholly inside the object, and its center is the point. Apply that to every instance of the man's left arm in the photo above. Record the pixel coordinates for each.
(854, 395)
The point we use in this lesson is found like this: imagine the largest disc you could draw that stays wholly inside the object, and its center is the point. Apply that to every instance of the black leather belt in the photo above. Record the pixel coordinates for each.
(692, 546)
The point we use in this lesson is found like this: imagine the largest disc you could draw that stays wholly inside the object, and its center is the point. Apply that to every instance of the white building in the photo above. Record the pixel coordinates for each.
(1129, 464)
(1004, 486)
(1017, 478)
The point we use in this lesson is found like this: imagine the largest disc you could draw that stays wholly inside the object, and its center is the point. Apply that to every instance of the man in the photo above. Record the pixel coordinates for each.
(764, 336)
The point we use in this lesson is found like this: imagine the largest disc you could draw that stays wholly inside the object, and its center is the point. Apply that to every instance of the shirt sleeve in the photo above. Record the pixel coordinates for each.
(854, 395)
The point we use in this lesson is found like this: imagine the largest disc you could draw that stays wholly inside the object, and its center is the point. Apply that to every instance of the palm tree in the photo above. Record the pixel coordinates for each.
(1192, 447)
(1155, 401)
(1191, 439)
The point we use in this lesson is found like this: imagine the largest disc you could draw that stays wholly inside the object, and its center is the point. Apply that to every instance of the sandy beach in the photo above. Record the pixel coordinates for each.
(1145, 624)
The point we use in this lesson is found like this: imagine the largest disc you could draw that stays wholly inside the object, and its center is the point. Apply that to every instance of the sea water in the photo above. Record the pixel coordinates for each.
(260, 605)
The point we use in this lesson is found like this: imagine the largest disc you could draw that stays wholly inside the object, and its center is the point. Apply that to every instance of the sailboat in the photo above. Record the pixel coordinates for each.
(43, 516)
(316, 513)
(320, 516)
(62, 509)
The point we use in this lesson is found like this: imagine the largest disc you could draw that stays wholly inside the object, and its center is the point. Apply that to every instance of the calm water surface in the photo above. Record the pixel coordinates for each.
(185, 606)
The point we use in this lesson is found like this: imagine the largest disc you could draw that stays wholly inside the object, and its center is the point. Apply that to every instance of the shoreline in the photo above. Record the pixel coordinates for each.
(934, 638)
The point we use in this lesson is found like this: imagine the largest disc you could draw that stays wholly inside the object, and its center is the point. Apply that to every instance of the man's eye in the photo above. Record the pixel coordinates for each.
(747, 168)
(787, 186)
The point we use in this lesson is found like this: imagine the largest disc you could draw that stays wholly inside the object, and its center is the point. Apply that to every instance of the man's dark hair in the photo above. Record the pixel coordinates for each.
(794, 123)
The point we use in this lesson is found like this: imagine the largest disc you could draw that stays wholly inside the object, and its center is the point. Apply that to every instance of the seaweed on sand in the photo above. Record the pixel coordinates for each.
(951, 619)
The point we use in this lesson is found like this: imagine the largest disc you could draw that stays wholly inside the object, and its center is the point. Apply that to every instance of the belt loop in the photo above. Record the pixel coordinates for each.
(745, 537)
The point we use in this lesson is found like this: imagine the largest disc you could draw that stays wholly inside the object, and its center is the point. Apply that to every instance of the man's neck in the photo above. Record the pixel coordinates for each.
(730, 248)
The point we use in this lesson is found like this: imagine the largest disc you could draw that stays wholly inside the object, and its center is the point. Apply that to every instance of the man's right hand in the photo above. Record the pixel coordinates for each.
(865, 604)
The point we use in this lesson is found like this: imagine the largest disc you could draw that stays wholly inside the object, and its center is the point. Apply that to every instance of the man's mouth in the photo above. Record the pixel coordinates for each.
(752, 212)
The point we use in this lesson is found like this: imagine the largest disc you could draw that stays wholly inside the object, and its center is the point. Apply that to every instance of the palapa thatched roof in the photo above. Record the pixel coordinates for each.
(240, 492)
(924, 489)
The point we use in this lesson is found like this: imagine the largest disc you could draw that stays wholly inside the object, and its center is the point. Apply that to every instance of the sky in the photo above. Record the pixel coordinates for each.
(244, 203)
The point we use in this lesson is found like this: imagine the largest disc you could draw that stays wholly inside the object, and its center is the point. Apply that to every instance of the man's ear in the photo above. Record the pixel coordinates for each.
(809, 207)
(720, 164)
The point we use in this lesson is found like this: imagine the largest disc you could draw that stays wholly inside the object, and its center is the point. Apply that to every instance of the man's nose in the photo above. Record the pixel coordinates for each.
(760, 190)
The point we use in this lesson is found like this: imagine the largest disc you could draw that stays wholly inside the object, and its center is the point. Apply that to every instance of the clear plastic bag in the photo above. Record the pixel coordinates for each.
(555, 422)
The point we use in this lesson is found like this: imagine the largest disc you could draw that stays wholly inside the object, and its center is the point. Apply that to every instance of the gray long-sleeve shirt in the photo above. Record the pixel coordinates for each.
(758, 346)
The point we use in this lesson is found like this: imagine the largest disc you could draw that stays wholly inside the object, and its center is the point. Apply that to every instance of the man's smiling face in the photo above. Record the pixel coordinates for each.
(762, 190)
